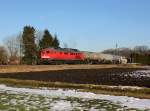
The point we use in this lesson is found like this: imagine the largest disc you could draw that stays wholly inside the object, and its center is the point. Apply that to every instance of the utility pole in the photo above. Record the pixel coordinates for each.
(117, 58)
(116, 49)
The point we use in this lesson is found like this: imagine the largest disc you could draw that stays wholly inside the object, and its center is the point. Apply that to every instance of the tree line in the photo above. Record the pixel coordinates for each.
(25, 48)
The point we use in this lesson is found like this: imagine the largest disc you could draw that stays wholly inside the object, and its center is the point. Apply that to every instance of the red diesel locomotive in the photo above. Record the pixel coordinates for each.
(61, 55)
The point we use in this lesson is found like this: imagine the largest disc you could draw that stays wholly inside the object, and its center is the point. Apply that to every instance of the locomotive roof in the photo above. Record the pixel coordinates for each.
(63, 49)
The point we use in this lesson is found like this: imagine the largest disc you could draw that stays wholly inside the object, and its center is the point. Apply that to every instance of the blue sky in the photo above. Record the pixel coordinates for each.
(92, 25)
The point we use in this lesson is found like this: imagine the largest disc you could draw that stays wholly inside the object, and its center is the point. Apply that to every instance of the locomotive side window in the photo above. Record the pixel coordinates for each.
(47, 52)
(66, 53)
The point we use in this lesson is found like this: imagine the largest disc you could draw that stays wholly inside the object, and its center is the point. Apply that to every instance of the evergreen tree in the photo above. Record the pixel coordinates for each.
(29, 46)
(55, 43)
(46, 40)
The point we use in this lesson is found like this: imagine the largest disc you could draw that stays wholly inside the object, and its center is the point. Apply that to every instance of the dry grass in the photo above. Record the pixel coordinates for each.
(35, 68)
(102, 89)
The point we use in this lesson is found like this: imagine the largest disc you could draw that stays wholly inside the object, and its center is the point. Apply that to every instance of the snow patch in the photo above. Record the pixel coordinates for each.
(126, 87)
(130, 102)
(61, 105)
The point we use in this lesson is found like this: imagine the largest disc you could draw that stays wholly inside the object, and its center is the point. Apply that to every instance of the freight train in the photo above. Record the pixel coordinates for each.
(74, 56)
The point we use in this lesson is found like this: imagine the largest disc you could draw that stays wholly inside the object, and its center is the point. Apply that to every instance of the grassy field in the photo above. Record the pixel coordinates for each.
(30, 102)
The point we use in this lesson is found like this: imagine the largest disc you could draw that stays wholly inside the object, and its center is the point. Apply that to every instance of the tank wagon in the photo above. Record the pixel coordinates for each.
(74, 56)
(96, 58)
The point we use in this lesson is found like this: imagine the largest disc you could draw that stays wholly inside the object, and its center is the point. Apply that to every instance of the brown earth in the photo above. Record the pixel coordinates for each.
(80, 74)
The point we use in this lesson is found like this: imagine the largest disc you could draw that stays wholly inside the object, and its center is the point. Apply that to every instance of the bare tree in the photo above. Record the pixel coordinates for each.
(13, 44)
(3, 56)
(141, 49)
(120, 51)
